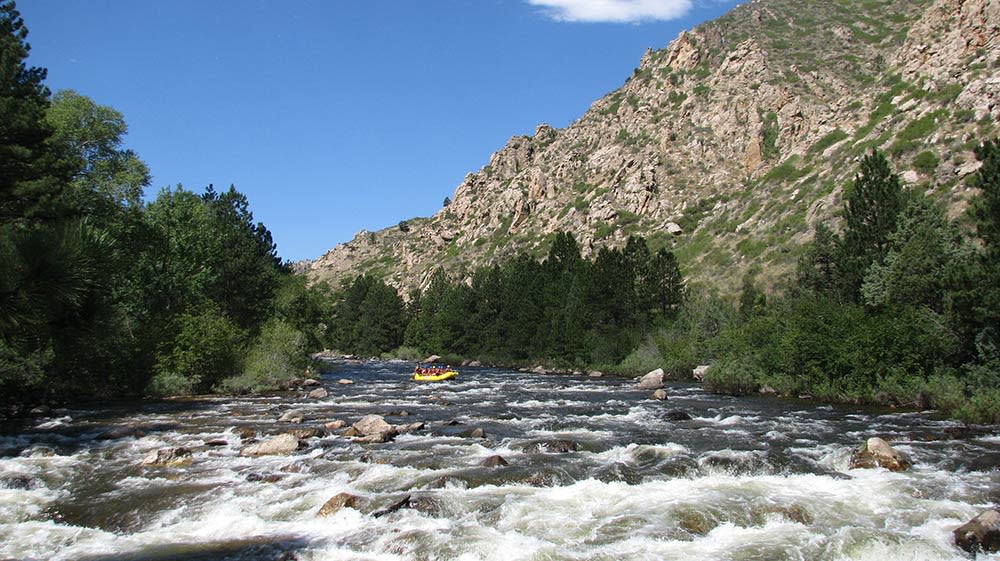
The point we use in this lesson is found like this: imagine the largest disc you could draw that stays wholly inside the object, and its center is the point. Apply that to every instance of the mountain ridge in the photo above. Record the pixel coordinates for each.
(726, 146)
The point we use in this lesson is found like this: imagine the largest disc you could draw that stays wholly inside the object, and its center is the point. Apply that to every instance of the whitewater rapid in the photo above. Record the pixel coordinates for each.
(597, 471)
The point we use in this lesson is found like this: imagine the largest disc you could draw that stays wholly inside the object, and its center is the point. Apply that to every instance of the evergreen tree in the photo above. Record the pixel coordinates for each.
(666, 283)
(985, 209)
(818, 270)
(871, 209)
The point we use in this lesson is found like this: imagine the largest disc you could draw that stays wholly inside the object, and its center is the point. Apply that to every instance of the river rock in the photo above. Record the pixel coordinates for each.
(167, 457)
(319, 393)
(557, 446)
(400, 504)
(336, 424)
(659, 395)
(311, 432)
(280, 445)
(373, 429)
(699, 372)
(337, 502)
(877, 452)
(264, 477)
(432, 358)
(309, 382)
(494, 461)
(246, 433)
(114, 433)
(344, 382)
(475, 364)
(677, 415)
(473, 433)
(767, 390)
(539, 369)
(652, 380)
(22, 482)
(293, 416)
(595, 373)
(411, 427)
(217, 442)
(982, 533)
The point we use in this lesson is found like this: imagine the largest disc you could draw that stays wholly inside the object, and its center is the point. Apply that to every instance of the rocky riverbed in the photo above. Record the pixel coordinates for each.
(494, 465)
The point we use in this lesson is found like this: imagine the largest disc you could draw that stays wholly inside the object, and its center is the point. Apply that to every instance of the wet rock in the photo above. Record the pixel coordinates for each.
(473, 433)
(400, 504)
(351, 431)
(246, 433)
(494, 461)
(652, 380)
(876, 452)
(167, 457)
(37, 452)
(335, 425)
(618, 471)
(767, 390)
(217, 442)
(453, 423)
(40, 410)
(373, 429)
(659, 395)
(398, 414)
(338, 502)
(309, 382)
(296, 467)
(426, 504)
(697, 523)
(306, 433)
(410, 427)
(280, 445)
(699, 372)
(475, 364)
(264, 477)
(558, 446)
(982, 533)
(432, 358)
(293, 416)
(795, 513)
(595, 373)
(539, 369)
(677, 415)
(319, 393)
(344, 382)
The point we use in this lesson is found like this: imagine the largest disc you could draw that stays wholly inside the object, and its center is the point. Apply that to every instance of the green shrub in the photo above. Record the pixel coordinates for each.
(926, 162)
(277, 356)
(734, 376)
(827, 141)
(207, 348)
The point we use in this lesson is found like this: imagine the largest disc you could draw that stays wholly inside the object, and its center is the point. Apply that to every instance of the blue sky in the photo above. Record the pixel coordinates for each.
(337, 116)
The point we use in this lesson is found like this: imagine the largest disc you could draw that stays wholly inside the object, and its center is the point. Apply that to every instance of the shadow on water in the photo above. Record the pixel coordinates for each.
(263, 548)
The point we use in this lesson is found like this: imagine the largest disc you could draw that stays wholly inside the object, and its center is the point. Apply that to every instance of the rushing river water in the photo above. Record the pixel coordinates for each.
(597, 471)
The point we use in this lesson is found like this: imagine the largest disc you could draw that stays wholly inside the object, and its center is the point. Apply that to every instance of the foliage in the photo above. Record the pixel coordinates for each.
(277, 356)
(206, 348)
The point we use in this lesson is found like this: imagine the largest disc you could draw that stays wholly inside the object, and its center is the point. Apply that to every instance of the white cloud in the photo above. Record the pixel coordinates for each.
(615, 11)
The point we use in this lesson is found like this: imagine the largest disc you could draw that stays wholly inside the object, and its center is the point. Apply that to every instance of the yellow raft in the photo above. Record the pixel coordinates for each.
(443, 375)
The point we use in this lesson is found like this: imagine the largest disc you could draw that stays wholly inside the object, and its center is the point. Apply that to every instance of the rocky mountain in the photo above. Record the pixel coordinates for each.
(728, 145)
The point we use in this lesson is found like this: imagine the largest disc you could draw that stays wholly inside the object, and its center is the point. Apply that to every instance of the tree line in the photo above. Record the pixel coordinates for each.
(564, 310)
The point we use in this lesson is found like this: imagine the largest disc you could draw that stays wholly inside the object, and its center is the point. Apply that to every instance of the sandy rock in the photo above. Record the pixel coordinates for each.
(293, 416)
(280, 445)
(319, 393)
(473, 433)
(475, 363)
(494, 461)
(982, 533)
(168, 457)
(374, 429)
(699, 372)
(306, 433)
(400, 504)
(344, 382)
(337, 502)
(659, 395)
(411, 427)
(876, 452)
(245, 433)
(595, 373)
(767, 390)
(652, 380)
(539, 369)
(674, 228)
(432, 358)
(910, 177)
(309, 382)
(335, 425)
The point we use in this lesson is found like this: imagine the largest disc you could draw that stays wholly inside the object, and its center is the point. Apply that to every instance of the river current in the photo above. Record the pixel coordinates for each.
(596, 471)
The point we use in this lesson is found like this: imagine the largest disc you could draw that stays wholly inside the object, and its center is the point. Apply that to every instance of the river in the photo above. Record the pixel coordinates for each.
(597, 471)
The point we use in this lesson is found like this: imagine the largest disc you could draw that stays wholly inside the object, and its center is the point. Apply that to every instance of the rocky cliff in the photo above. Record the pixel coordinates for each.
(727, 145)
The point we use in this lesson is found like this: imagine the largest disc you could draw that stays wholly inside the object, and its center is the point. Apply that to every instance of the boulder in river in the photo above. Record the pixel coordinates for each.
(677, 415)
(336, 424)
(473, 433)
(411, 427)
(876, 452)
(374, 429)
(280, 445)
(982, 533)
(699, 372)
(396, 505)
(311, 432)
(337, 502)
(659, 395)
(167, 457)
(475, 364)
(319, 393)
(652, 380)
(293, 416)
(556, 446)
(595, 373)
(310, 382)
(494, 461)
(344, 382)
(432, 358)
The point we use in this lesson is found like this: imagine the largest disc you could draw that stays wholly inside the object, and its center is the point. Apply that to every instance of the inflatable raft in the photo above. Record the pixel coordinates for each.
(435, 376)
